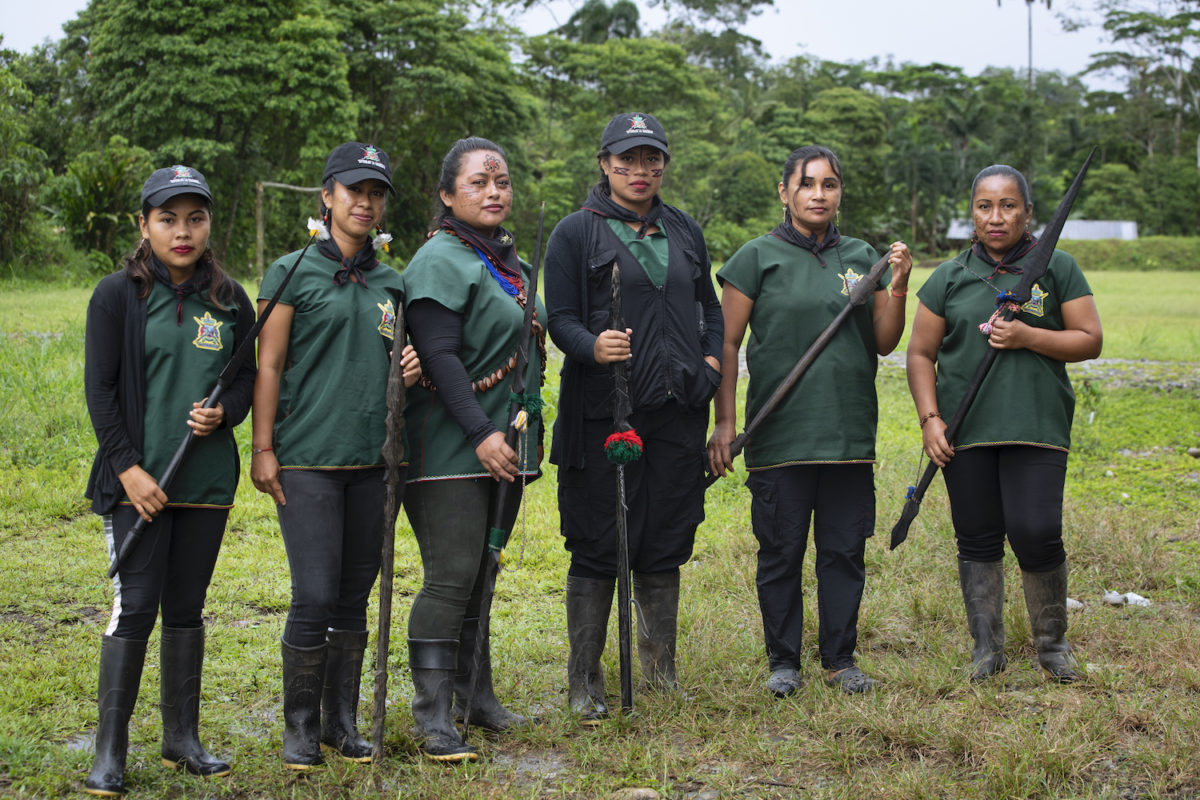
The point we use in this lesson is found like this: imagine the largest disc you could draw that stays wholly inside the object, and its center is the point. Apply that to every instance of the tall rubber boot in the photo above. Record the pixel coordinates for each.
(303, 680)
(433, 663)
(1046, 600)
(121, 663)
(657, 595)
(182, 659)
(339, 706)
(486, 711)
(983, 596)
(589, 601)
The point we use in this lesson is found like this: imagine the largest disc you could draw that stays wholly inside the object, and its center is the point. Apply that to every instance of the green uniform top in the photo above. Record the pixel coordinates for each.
(650, 251)
(451, 273)
(829, 416)
(1026, 398)
(333, 393)
(188, 343)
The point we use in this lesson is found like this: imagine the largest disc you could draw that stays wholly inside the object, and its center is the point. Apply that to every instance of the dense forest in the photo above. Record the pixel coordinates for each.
(251, 92)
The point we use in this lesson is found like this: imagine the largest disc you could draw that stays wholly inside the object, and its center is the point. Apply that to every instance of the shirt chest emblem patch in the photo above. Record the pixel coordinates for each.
(387, 319)
(208, 334)
(850, 279)
(1036, 304)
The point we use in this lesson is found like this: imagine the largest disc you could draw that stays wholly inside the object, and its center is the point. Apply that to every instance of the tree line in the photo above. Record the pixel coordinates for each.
(262, 91)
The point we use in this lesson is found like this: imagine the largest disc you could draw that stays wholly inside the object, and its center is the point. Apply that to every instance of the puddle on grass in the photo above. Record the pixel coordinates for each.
(81, 742)
(539, 765)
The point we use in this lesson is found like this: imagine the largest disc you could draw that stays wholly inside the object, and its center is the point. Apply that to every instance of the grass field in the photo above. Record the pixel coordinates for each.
(1130, 731)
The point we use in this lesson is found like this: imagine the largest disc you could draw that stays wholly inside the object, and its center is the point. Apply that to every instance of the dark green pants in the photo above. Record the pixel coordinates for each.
(450, 521)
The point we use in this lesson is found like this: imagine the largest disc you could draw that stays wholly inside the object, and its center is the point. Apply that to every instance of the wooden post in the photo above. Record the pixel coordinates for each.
(258, 216)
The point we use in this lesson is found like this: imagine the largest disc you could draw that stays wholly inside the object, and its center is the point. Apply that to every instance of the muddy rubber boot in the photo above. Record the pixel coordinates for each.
(486, 711)
(657, 596)
(433, 663)
(1046, 600)
(121, 663)
(983, 596)
(182, 659)
(303, 680)
(339, 705)
(589, 601)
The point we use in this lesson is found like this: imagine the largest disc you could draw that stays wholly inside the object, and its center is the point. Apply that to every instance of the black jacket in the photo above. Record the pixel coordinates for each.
(674, 326)
(114, 382)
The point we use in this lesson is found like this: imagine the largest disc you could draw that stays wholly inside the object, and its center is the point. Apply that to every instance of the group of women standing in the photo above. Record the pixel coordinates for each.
(319, 409)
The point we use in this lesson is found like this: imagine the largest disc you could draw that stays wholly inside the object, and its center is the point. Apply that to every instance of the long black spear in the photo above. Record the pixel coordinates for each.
(223, 380)
(858, 296)
(1034, 268)
(621, 412)
(393, 457)
(497, 532)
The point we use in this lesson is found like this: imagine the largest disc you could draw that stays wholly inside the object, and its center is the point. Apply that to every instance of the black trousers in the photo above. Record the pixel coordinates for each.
(840, 500)
(169, 569)
(664, 494)
(333, 530)
(1011, 490)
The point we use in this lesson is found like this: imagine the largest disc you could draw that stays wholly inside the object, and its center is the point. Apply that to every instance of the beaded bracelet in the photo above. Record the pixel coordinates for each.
(256, 450)
(929, 416)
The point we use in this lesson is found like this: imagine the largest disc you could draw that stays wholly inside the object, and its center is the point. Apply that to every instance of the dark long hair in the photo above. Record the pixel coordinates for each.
(451, 164)
(799, 159)
(1008, 172)
(137, 266)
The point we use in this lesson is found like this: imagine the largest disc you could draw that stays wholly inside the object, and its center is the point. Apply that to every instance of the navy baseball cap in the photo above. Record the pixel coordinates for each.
(165, 183)
(354, 161)
(626, 131)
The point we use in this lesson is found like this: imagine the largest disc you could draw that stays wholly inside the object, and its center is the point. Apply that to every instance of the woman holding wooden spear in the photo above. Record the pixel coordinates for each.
(810, 459)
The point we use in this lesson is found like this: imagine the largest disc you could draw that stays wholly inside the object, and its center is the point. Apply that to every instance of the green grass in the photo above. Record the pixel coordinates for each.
(1129, 731)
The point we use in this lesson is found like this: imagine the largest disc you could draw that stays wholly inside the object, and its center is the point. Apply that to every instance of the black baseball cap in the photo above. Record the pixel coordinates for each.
(165, 183)
(626, 131)
(354, 161)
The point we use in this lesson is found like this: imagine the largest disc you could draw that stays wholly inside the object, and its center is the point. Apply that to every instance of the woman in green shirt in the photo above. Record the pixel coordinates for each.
(811, 458)
(1006, 468)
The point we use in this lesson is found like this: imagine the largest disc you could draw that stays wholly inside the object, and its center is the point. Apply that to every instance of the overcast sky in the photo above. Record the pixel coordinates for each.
(972, 34)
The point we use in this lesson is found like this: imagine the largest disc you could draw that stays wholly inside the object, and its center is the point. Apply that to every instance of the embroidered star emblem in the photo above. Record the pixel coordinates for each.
(505, 239)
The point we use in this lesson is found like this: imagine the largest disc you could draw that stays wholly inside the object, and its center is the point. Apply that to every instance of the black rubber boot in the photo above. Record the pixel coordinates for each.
(983, 596)
(303, 679)
(1046, 600)
(589, 601)
(657, 595)
(339, 706)
(486, 711)
(433, 663)
(182, 658)
(120, 675)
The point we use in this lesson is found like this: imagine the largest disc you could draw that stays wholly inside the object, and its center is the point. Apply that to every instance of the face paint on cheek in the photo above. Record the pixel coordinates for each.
(469, 191)
(656, 173)
(491, 163)
(620, 170)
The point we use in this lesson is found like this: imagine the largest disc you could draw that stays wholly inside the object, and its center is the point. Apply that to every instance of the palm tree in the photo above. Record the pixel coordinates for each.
(1029, 8)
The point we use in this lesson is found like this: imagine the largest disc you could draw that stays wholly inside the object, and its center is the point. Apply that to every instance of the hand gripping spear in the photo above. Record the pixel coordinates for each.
(393, 457)
(858, 296)
(1034, 268)
(223, 380)
(520, 408)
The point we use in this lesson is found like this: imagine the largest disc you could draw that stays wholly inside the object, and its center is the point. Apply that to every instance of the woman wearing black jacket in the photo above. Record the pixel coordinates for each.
(158, 334)
(672, 345)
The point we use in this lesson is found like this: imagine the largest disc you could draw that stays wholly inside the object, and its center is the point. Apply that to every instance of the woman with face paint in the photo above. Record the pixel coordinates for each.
(1006, 468)
(811, 458)
(319, 412)
(466, 292)
(672, 346)
(159, 332)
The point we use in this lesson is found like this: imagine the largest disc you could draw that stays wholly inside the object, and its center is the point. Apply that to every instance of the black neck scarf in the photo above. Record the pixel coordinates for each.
(199, 282)
(499, 249)
(362, 261)
(788, 233)
(600, 202)
(1016, 253)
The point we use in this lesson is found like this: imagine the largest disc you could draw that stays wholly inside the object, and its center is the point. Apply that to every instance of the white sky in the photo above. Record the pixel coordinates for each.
(972, 34)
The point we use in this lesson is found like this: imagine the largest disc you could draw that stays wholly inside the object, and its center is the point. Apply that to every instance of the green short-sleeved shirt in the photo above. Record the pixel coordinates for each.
(1026, 398)
(188, 343)
(333, 394)
(447, 271)
(830, 415)
(651, 251)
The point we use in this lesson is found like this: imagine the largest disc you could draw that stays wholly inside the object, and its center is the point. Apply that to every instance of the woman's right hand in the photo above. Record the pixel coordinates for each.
(144, 492)
(612, 346)
(719, 458)
(264, 471)
(933, 438)
(497, 457)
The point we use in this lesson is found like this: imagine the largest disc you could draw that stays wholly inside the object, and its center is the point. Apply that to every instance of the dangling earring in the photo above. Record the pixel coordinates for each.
(787, 215)
(319, 227)
(974, 237)
(1027, 236)
(837, 217)
(380, 240)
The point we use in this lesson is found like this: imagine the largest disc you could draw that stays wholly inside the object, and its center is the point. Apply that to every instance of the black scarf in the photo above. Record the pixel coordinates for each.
(500, 249)
(788, 233)
(362, 261)
(1018, 251)
(199, 282)
(600, 202)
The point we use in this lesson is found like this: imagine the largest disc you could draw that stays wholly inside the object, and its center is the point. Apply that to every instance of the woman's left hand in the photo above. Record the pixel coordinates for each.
(206, 420)
(900, 260)
(411, 364)
(497, 457)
